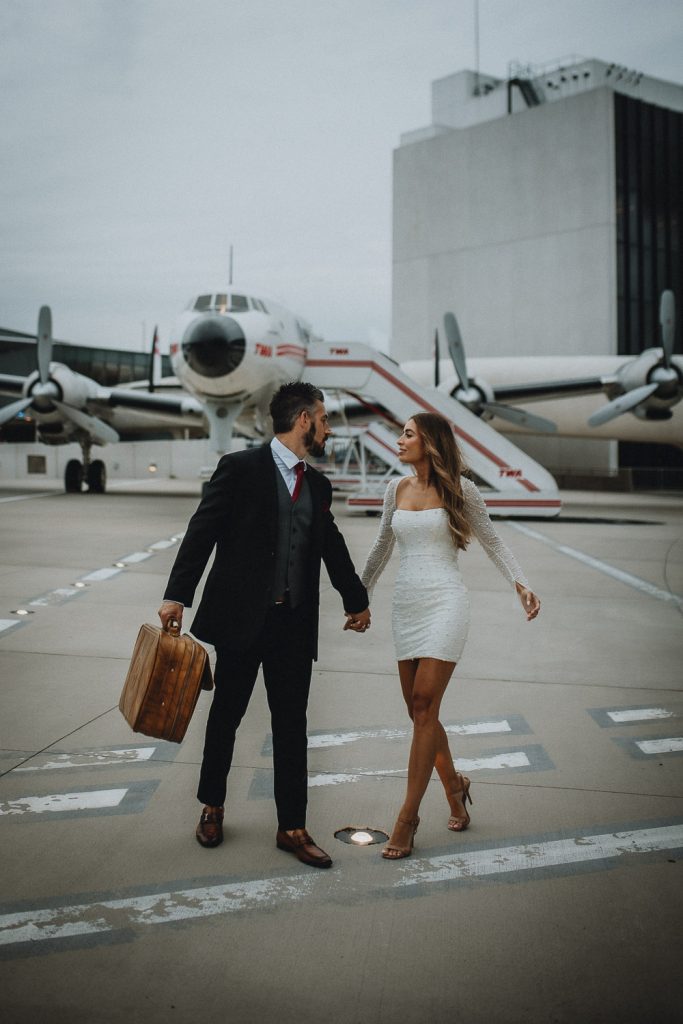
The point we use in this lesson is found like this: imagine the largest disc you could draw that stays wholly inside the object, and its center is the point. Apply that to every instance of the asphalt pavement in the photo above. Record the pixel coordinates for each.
(560, 903)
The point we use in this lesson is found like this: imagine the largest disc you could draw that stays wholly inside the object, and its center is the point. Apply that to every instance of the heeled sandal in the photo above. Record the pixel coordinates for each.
(390, 851)
(456, 823)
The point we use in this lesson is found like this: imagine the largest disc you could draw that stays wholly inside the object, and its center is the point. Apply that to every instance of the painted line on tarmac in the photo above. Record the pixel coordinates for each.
(607, 718)
(62, 594)
(137, 556)
(609, 570)
(528, 759)
(668, 745)
(100, 574)
(54, 597)
(639, 715)
(513, 759)
(7, 624)
(95, 919)
(556, 853)
(84, 802)
(633, 714)
(90, 759)
(58, 802)
(510, 725)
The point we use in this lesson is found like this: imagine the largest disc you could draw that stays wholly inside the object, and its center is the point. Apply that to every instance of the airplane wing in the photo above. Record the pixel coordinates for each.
(544, 390)
(144, 401)
(10, 384)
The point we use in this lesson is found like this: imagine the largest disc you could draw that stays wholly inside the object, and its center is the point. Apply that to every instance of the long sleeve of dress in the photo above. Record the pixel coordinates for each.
(484, 531)
(380, 552)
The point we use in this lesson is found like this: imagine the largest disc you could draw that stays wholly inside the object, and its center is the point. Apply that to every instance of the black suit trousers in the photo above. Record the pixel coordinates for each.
(283, 648)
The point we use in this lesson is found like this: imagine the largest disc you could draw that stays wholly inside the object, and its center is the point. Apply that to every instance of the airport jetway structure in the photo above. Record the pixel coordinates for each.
(519, 485)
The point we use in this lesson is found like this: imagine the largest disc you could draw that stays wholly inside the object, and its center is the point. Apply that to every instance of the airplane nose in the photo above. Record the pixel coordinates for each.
(213, 345)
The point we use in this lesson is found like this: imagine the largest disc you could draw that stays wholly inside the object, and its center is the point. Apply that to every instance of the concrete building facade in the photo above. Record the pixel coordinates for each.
(543, 209)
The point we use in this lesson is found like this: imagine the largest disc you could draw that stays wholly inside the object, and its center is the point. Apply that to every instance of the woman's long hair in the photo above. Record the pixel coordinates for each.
(445, 467)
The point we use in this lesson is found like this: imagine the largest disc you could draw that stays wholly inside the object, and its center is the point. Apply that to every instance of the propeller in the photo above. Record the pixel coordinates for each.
(8, 412)
(662, 376)
(47, 395)
(473, 396)
(98, 429)
(44, 344)
(622, 404)
(667, 320)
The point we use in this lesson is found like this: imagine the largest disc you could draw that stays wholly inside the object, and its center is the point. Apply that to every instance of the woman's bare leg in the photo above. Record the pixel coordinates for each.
(443, 760)
(430, 678)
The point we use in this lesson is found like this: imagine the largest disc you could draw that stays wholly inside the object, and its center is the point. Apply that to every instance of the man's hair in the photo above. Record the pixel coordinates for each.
(290, 400)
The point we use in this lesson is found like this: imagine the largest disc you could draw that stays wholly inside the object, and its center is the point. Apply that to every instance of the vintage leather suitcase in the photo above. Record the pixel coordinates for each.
(161, 689)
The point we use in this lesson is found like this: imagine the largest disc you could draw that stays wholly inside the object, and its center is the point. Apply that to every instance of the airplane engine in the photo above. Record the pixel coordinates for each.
(213, 346)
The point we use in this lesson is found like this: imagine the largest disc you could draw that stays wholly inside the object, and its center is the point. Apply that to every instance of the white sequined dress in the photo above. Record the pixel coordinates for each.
(430, 613)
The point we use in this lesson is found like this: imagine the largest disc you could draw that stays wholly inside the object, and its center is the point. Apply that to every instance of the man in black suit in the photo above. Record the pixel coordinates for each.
(267, 513)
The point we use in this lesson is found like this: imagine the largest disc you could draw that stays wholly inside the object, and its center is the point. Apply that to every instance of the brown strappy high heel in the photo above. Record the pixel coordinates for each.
(457, 823)
(390, 851)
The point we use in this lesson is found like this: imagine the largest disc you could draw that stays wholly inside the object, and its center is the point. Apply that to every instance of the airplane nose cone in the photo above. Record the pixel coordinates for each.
(213, 345)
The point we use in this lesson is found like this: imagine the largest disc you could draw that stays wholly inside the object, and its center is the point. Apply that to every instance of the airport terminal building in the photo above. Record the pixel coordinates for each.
(544, 210)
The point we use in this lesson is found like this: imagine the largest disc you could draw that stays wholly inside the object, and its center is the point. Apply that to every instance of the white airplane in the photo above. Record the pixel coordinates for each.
(649, 386)
(231, 351)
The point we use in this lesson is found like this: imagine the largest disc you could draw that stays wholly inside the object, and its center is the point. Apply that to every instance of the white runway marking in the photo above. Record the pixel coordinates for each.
(512, 759)
(91, 758)
(86, 801)
(639, 714)
(6, 624)
(618, 574)
(339, 739)
(540, 855)
(137, 556)
(160, 545)
(100, 574)
(55, 596)
(105, 915)
(663, 746)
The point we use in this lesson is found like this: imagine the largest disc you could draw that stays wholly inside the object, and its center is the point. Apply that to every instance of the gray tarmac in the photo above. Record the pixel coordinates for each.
(562, 902)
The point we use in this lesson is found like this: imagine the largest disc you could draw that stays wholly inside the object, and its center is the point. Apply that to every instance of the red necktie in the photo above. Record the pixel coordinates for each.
(299, 470)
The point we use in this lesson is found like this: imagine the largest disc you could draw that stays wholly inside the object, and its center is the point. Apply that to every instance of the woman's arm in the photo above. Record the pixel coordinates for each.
(380, 552)
(501, 556)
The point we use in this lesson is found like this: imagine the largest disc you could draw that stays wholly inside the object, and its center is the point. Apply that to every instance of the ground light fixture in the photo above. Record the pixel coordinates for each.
(21, 611)
(361, 835)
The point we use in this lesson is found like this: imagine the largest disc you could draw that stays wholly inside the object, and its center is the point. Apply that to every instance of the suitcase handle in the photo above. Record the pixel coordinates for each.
(173, 627)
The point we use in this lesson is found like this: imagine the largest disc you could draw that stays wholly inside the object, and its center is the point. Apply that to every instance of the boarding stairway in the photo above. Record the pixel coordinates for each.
(519, 485)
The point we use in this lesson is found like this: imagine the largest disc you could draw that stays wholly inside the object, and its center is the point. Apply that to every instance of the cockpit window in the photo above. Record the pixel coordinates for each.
(202, 303)
(262, 305)
(238, 303)
(221, 303)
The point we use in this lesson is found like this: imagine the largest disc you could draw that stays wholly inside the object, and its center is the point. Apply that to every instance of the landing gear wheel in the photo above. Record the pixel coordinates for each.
(97, 477)
(73, 477)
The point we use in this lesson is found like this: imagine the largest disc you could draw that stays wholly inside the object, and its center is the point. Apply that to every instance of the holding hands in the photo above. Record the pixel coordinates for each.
(359, 622)
(530, 602)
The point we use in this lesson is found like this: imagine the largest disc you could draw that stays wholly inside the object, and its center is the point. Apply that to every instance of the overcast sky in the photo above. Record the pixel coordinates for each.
(141, 138)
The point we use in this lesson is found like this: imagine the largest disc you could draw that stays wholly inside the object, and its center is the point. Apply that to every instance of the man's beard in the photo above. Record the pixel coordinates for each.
(316, 448)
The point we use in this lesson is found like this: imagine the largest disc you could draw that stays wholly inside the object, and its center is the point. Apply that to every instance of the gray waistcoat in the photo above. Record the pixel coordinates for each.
(295, 521)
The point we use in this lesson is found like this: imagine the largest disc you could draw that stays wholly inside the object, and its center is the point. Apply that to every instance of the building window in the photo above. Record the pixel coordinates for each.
(649, 191)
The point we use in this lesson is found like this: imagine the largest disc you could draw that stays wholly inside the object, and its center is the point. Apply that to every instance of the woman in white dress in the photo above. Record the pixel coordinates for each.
(433, 515)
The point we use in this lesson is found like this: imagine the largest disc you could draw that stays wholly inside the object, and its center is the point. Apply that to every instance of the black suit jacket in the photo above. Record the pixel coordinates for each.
(238, 516)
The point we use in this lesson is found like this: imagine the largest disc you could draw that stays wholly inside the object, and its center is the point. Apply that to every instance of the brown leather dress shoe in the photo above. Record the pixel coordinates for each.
(303, 847)
(209, 831)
